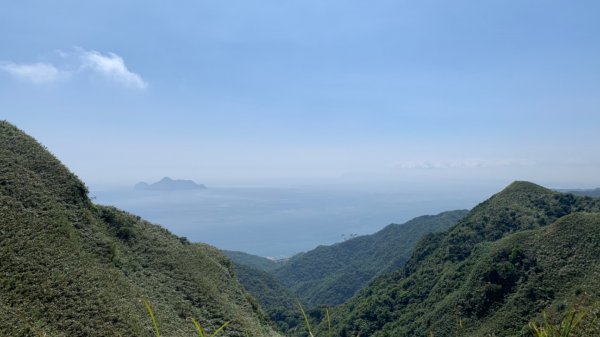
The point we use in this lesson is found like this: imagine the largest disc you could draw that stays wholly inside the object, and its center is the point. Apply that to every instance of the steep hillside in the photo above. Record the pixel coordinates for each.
(72, 268)
(524, 249)
(267, 289)
(329, 275)
(278, 303)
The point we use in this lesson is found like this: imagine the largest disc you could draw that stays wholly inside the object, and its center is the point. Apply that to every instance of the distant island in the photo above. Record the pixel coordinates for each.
(168, 184)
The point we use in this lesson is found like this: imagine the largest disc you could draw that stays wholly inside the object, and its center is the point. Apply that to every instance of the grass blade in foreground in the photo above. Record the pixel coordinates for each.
(305, 319)
(201, 332)
(147, 304)
(328, 322)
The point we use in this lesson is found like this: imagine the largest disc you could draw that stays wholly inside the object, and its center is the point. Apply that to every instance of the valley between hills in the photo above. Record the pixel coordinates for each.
(70, 267)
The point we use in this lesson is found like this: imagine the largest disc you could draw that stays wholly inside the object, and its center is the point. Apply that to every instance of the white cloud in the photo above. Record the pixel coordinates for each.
(79, 62)
(35, 72)
(111, 66)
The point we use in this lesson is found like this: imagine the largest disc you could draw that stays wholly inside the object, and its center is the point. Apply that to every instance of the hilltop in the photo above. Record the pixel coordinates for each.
(73, 268)
(523, 250)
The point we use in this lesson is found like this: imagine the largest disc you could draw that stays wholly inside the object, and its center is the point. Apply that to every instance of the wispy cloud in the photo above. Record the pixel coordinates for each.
(35, 72)
(78, 62)
(458, 164)
(112, 67)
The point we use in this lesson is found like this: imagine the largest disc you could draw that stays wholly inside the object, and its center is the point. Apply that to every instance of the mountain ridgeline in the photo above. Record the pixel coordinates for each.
(524, 250)
(72, 268)
(253, 261)
(329, 275)
(69, 267)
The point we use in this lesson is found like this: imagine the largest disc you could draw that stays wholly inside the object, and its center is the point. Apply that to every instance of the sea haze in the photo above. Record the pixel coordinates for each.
(279, 222)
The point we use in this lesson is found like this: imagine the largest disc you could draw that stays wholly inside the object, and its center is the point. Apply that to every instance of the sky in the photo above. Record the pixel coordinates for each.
(305, 91)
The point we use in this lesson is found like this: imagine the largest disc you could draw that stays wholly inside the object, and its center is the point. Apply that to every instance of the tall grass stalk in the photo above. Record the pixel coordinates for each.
(305, 319)
(151, 314)
(201, 332)
(310, 333)
(570, 324)
(328, 322)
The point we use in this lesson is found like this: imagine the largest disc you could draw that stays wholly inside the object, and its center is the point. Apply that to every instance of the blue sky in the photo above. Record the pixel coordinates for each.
(232, 92)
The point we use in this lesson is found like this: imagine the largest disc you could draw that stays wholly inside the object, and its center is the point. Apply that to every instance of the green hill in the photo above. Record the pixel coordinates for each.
(329, 275)
(72, 268)
(523, 250)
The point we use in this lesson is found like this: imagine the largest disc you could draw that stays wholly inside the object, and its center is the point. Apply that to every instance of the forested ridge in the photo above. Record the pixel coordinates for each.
(524, 250)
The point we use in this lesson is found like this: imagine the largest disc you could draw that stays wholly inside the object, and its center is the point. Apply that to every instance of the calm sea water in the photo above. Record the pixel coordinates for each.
(279, 222)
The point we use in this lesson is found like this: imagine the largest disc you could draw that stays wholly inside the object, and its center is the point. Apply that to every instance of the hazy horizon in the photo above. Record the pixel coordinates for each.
(282, 221)
(308, 92)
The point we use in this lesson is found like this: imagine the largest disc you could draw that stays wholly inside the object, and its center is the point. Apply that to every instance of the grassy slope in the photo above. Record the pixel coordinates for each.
(329, 275)
(71, 268)
(492, 272)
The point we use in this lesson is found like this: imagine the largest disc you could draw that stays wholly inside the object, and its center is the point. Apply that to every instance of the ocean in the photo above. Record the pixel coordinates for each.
(280, 222)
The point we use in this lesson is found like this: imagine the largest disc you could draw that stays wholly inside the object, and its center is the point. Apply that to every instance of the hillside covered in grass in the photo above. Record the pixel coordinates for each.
(524, 250)
(72, 268)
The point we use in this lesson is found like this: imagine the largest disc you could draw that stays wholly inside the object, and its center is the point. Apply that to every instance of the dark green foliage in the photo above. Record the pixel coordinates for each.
(71, 268)
(279, 304)
(329, 275)
(269, 291)
(523, 250)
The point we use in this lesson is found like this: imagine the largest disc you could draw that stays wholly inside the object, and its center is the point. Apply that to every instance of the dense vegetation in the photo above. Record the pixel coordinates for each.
(523, 250)
(329, 275)
(72, 268)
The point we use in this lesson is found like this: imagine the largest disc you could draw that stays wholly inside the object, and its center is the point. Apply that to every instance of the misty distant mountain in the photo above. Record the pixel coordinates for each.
(168, 184)
(594, 193)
